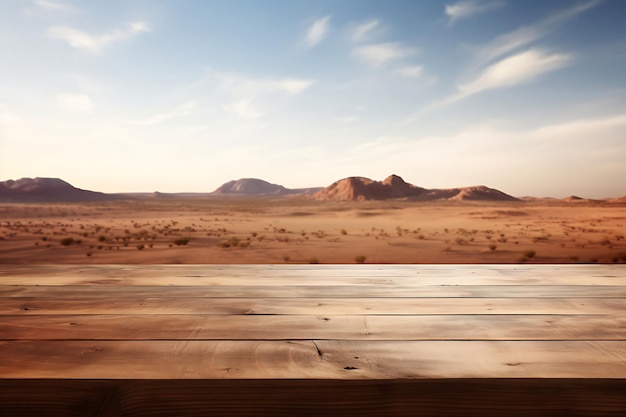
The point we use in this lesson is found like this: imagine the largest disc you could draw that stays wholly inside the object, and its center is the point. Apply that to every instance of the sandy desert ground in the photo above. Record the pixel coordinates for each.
(270, 231)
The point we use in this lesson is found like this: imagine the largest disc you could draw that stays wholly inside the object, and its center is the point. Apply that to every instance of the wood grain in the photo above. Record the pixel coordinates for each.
(308, 359)
(331, 291)
(301, 327)
(107, 304)
(401, 397)
(470, 340)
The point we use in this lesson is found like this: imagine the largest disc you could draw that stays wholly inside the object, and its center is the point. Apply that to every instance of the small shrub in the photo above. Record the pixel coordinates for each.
(181, 241)
(286, 258)
(344, 232)
(360, 259)
(102, 238)
(140, 246)
(314, 261)
(67, 241)
(492, 247)
(529, 253)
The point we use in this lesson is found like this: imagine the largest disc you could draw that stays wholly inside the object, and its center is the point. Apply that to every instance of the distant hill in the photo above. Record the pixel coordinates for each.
(47, 189)
(257, 187)
(361, 189)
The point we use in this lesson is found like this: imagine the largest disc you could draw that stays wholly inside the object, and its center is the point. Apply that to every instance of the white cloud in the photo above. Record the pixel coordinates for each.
(53, 5)
(527, 34)
(379, 53)
(509, 72)
(244, 95)
(95, 43)
(363, 31)
(159, 118)
(243, 108)
(75, 103)
(249, 86)
(473, 154)
(467, 8)
(415, 71)
(317, 31)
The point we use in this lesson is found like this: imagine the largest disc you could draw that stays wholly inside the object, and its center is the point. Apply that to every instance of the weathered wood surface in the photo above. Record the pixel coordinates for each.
(113, 340)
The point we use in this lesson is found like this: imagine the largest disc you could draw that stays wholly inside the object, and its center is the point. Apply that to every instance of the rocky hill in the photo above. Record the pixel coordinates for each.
(47, 189)
(362, 189)
(257, 187)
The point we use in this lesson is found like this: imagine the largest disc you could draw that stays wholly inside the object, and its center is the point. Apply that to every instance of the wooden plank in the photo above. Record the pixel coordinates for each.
(232, 327)
(401, 398)
(317, 291)
(109, 303)
(116, 270)
(309, 278)
(323, 359)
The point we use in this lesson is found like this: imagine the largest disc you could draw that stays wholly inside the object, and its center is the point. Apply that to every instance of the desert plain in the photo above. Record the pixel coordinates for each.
(265, 230)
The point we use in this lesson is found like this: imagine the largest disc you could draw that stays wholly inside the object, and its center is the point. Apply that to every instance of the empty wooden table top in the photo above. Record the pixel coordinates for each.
(516, 330)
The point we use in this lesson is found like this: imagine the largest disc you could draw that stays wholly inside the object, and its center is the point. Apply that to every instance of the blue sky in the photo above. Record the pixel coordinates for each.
(142, 95)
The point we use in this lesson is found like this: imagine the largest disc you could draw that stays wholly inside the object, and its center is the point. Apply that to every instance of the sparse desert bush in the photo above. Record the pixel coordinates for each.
(232, 242)
(181, 241)
(344, 232)
(67, 241)
(492, 247)
(102, 238)
(314, 261)
(140, 246)
(529, 253)
(360, 259)
(286, 258)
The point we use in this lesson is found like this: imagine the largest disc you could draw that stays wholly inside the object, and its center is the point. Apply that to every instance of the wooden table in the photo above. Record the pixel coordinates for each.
(374, 340)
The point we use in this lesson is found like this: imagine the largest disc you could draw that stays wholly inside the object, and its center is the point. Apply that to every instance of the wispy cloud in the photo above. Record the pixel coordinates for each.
(467, 8)
(525, 35)
(364, 30)
(317, 31)
(414, 71)
(75, 103)
(246, 96)
(243, 108)
(96, 43)
(250, 86)
(53, 5)
(511, 71)
(156, 119)
(379, 53)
